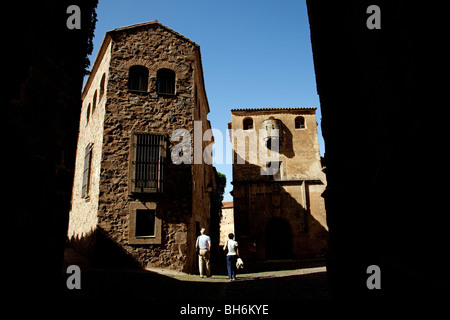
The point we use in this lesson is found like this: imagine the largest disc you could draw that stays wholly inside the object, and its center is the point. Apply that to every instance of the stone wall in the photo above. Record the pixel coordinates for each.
(257, 204)
(127, 112)
(226, 222)
(299, 148)
(288, 202)
(83, 215)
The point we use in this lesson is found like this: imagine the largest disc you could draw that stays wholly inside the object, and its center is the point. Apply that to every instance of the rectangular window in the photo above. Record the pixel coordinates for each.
(145, 223)
(138, 78)
(86, 171)
(165, 81)
(147, 163)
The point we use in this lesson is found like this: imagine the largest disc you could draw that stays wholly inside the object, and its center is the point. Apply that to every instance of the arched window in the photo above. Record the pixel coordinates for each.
(88, 113)
(299, 123)
(138, 78)
(165, 82)
(94, 101)
(248, 124)
(102, 87)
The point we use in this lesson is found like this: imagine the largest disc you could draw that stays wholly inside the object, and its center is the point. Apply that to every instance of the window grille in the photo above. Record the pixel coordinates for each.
(148, 163)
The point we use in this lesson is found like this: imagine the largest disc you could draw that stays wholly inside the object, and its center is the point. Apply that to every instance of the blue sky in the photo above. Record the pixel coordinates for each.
(255, 53)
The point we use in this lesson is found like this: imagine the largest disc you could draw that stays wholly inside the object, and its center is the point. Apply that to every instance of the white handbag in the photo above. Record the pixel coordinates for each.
(239, 263)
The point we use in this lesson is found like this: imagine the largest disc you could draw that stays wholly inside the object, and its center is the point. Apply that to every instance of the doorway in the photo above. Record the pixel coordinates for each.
(278, 239)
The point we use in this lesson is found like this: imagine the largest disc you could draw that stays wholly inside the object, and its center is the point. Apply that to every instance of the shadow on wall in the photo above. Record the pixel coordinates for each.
(270, 217)
(102, 251)
(287, 147)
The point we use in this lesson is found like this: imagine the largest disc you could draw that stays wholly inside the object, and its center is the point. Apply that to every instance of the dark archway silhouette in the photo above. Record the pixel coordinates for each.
(278, 238)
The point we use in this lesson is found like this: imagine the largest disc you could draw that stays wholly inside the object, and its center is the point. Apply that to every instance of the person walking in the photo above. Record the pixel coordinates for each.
(203, 243)
(232, 255)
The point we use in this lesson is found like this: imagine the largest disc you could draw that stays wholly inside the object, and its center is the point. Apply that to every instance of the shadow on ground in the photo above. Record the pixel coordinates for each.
(141, 284)
(134, 283)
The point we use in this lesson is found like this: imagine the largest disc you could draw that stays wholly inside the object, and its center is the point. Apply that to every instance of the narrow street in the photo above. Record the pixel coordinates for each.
(305, 283)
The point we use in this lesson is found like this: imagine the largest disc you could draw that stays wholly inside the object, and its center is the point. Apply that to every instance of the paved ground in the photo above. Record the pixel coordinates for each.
(243, 276)
(294, 282)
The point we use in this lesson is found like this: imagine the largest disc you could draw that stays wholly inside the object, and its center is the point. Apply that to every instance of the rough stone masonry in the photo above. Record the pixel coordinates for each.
(111, 216)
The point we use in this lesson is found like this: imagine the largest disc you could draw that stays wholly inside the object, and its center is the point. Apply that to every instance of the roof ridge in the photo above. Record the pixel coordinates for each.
(143, 24)
(227, 204)
(269, 109)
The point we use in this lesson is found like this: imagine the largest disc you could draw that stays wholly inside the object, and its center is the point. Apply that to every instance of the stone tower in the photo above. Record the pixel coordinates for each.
(277, 184)
(129, 198)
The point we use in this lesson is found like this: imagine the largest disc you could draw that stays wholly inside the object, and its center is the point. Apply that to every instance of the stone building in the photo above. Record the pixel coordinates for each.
(226, 221)
(129, 198)
(277, 183)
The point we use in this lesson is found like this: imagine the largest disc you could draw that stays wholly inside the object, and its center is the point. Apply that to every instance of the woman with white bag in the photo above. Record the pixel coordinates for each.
(232, 256)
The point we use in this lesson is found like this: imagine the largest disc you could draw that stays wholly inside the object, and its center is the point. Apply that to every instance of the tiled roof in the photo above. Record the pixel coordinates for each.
(274, 109)
(228, 204)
